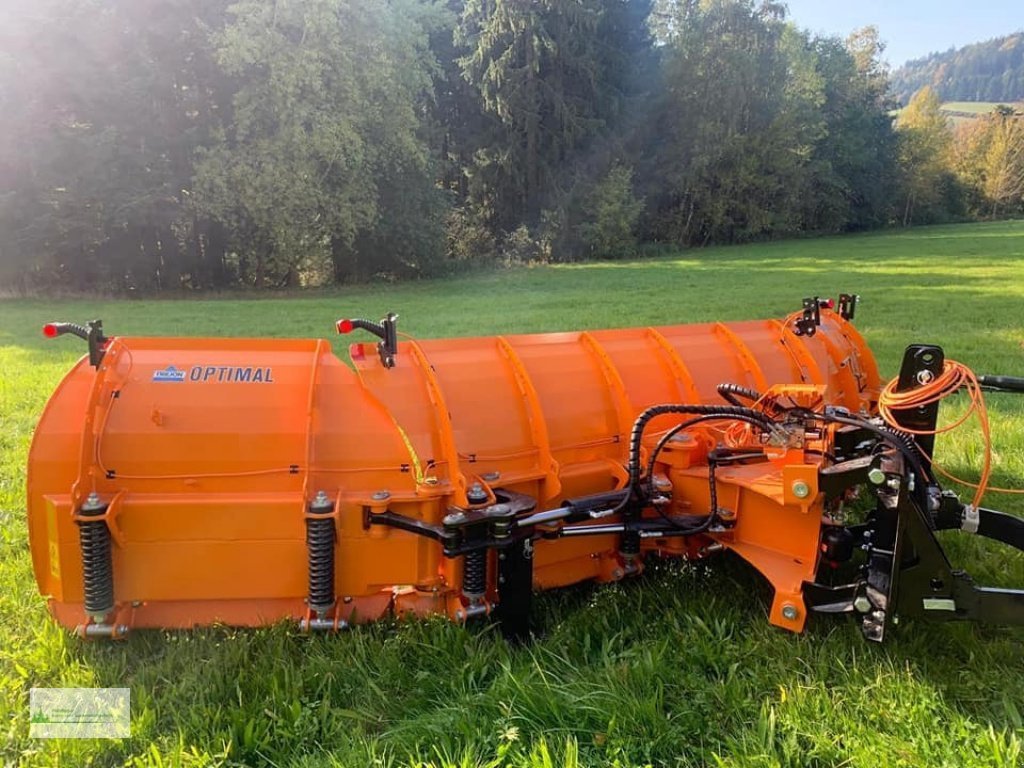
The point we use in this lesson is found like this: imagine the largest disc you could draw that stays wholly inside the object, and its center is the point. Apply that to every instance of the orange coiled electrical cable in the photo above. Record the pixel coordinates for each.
(954, 377)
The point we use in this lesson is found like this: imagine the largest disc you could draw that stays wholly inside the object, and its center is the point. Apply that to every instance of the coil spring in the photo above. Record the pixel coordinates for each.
(629, 543)
(97, 566)
(474, 574)
(320, 541)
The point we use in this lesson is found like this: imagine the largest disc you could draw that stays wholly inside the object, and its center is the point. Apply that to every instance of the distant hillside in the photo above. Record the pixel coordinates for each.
(988, 71)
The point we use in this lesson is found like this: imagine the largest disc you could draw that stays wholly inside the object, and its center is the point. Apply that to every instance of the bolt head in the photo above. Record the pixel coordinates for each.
(321, 503)
(876, 476)
(790, 612)
(801, 489)
(381, 495)
(92, 503)
(861, 604)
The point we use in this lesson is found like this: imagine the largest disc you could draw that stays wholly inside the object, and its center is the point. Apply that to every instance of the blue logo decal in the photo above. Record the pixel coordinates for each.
(170, 373)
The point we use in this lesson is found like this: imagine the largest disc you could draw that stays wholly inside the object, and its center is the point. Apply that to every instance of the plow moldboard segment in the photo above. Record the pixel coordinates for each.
(205, 456)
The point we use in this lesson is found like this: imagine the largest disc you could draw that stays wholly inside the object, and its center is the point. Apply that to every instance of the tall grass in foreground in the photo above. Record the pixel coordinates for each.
(676, 668)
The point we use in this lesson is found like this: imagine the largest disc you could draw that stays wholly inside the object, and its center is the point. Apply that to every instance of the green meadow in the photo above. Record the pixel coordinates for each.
(970, 107)
(676, 668)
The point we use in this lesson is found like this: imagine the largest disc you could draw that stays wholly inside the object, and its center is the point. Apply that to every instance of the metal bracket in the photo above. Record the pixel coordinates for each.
(808, 324)
(386, 330)
(486, 527)
(922, 363)
(97, 343)
(848, 305)
(515, 589)
(836, 479)
(92, 335)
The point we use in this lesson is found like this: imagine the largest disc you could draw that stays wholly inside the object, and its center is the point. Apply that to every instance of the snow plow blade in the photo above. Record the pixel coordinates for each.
(179, 482)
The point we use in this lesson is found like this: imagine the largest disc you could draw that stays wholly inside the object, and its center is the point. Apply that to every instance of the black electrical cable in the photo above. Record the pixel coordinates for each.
(911, 455)
(707, 522)
(679, 428)
(732, 458)
(738, 413)
(644, 418)
(712, 494)
(636, 435)
(910, 444)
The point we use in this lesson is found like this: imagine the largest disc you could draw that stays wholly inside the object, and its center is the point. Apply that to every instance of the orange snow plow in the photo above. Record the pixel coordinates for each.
(182, 482)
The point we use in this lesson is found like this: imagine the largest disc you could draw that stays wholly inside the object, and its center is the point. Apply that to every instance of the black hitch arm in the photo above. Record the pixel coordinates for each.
(930, 587)
(907, 573)
(1013, 384)
(904, 570)
(990, 523)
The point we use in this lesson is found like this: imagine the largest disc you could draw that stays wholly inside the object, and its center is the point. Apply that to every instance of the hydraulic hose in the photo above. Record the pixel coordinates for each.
(721, 411)
(729, 391)
(680, 428)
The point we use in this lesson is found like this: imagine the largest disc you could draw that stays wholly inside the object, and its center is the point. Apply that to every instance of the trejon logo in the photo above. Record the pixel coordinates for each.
(170, 373)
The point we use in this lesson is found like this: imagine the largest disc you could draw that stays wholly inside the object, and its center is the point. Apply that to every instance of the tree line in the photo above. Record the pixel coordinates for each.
(193, 144)
(969, 169)
(992, 70)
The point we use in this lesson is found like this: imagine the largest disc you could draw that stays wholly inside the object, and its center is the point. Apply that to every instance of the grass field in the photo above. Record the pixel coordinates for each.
(964, 111)
(960, 112)
(972, 107)
(676, 668)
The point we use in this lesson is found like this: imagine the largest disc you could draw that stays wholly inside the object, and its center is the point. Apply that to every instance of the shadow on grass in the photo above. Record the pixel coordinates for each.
(679, 665)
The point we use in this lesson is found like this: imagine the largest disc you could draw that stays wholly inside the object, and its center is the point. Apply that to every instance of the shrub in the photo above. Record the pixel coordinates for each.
(611, 213)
